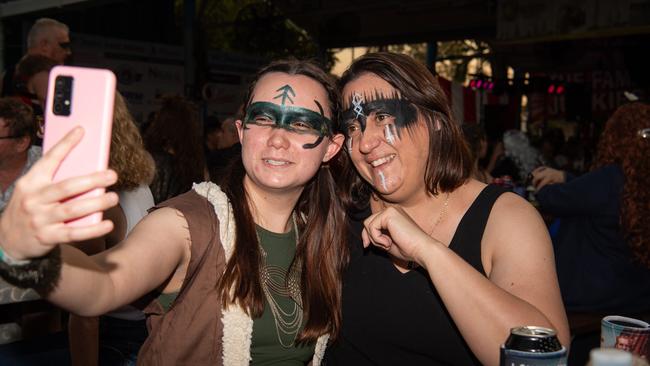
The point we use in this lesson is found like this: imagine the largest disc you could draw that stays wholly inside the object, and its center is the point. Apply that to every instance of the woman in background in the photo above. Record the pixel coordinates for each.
(174, 140)
(477, 143)
(602, 246)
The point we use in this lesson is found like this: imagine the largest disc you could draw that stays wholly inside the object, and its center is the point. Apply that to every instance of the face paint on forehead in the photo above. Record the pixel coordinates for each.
(286, 92)
(404, 112)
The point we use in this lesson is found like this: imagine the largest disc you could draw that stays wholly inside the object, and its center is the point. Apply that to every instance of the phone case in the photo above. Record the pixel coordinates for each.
(91, 99)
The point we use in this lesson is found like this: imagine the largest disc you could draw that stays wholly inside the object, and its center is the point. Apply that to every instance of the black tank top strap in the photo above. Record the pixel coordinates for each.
(467, 239)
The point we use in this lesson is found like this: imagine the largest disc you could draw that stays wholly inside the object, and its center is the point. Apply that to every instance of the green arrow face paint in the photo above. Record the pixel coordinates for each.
(286, 93)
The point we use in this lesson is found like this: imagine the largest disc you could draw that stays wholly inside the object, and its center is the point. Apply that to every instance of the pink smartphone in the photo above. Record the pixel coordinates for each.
(79, 96)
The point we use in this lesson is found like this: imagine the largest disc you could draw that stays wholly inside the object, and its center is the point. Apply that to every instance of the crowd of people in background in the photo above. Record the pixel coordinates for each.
(587, 208)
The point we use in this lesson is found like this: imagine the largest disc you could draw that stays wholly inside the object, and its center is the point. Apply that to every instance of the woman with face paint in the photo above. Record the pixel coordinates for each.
(242, 274)
(450, 264)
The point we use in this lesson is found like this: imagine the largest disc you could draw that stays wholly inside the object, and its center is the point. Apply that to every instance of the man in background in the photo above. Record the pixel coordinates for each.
(17, 129)
(47, 37)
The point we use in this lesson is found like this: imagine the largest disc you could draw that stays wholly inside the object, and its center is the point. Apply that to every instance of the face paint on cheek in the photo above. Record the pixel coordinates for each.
(382, 181)
(348, 143)
(314, 144)
(390, 133)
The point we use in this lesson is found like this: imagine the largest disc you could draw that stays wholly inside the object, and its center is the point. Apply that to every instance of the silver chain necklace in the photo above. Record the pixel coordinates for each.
(274, 280)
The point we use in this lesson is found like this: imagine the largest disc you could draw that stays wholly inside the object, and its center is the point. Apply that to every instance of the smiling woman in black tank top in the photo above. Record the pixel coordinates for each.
(450, 264)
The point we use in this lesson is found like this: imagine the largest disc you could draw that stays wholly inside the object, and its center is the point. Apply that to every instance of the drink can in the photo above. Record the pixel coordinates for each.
(533, 346)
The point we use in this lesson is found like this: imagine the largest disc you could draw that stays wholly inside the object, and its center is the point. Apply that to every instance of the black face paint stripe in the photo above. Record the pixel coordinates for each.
(374, 95)
(377, 102)
(314, 144)
(281, 116)
(320, 108)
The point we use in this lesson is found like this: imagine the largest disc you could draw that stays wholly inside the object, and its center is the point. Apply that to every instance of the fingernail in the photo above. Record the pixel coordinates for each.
(110, 175)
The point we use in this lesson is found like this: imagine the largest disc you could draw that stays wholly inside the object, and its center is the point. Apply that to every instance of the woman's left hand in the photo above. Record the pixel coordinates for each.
(393, 230)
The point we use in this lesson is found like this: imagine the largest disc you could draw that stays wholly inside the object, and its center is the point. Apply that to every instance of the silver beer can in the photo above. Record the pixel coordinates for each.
(533, 346)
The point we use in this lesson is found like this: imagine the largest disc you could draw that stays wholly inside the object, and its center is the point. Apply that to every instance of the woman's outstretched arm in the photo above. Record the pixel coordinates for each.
(33, 224)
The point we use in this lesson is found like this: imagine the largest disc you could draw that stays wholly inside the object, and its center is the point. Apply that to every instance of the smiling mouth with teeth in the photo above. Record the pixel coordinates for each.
(276, 162)
(382, 161)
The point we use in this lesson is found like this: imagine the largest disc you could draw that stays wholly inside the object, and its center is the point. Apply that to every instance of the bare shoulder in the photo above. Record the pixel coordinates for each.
(511, 213)
(515, 232)
(165, 222)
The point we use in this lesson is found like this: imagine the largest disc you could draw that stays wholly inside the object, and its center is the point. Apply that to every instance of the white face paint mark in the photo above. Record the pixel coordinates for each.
(357, 100)
(390, 133)
(382, 177)
(349, 144)
(438, 126)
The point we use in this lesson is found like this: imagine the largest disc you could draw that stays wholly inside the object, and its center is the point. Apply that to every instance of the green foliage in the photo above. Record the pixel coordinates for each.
(254, 27)
(455, 57)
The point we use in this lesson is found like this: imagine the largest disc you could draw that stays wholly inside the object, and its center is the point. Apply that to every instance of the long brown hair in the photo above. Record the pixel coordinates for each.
(176, 130)
(449, 163)
(132, 163)
(622, 144)
(322, 248)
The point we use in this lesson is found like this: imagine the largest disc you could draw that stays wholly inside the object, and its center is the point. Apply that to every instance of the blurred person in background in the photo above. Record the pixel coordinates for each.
(115, 338)
(551, 147)
(174, 140)
(602, 247)
(47, 37)
(515, 157)
(477, 141)
(33, 72)
(222, 145)
(17, 155)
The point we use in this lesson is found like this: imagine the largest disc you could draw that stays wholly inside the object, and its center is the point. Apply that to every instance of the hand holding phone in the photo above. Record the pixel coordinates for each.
(30, 226)
(79, 96)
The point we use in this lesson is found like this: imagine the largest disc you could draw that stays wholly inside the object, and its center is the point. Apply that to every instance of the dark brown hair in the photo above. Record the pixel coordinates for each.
(621, 144)
(175, 131)
(449, 163)
(322, 248)
(31, 65)
(132, 163)
(18, 117)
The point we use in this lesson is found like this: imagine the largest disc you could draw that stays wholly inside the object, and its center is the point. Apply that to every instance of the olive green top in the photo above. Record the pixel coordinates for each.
(265, 347)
